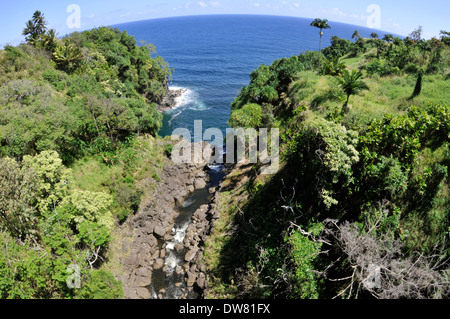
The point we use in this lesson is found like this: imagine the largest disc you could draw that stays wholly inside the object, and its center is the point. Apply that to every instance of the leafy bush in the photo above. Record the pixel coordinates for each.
(411, 68)
(101, 285)
(249, 116)
(304, 254)
(128, 199)
(91, 206)
(53, 176)
(18, 214)
(56, 78)
(378, 67)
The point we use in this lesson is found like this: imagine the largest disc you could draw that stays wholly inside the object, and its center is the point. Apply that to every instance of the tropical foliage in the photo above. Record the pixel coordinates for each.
(360, 190)
(89, 95)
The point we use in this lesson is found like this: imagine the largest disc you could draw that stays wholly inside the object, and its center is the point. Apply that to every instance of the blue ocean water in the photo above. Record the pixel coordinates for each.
(213, 56)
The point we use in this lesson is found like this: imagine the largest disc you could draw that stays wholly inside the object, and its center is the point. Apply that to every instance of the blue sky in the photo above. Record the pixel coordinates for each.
(396, 16)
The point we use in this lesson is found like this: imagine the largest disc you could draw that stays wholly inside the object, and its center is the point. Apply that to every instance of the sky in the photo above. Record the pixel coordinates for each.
(395, 16)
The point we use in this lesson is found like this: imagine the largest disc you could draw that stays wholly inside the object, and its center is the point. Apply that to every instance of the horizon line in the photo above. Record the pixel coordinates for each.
(249, 14)
(2, 45)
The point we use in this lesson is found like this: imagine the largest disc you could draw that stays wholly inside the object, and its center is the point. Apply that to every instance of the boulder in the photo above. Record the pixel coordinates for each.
(158, 264)
(132, 259)
(190, 254)
(201, 282)
(144, 281)
(179, 200)
(149, 227)
(190, 279)
(143, 293)
(152, 241)
(179, 247)
(199, 183)
(200, 213)
(159, 231)
(179, 270)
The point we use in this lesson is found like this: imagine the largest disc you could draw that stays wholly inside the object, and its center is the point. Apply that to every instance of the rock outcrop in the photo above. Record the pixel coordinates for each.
(143, 241)
(197, 232)
(170, 99)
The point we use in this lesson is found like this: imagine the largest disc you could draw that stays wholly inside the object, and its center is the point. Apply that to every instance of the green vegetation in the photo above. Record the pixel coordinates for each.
(84, 94)
(363, 182)
(320, 24)
(77, 117)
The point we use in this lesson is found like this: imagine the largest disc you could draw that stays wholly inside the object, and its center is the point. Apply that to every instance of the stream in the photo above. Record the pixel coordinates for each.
(169, 281)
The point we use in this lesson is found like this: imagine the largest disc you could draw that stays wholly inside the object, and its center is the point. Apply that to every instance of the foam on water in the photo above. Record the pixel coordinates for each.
(188, 203)
(188, 97)
(180, 233)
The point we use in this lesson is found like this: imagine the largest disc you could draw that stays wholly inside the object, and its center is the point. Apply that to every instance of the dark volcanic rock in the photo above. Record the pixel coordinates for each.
(142, 249)
(169, 99)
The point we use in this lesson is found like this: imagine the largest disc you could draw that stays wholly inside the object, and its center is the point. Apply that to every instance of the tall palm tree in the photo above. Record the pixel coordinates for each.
(35, 28)
(321, 24)
(351, 85)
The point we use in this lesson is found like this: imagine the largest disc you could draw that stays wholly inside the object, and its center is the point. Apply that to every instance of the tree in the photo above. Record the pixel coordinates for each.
(334, 67)
(351, 85)
(356, 35)
(49, 40)
(321, 24)
(380, 45)
(18, 215)
(374, 35)
(388, 38)
(418, 87)
(416, 35)
(377, 265)
(249, 116)
(35, 28)
(53, 179)
(445, 36)
(67, 57)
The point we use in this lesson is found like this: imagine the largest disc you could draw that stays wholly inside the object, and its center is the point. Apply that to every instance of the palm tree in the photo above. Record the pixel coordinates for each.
(50, 40)
(321, 24)
(67, 57)
(35, 28)
(374, 35)
(334, 67)
(351, 85)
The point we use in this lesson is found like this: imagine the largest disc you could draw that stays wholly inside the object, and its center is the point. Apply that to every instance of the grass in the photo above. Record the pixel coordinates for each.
(422, 223)
(135, 170)
(389, 94)
(93, 175)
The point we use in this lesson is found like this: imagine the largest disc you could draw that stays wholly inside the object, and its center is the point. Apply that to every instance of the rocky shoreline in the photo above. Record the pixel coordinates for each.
(170, 99)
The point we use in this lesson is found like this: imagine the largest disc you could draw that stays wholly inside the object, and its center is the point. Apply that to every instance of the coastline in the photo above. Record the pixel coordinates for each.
(172, 98)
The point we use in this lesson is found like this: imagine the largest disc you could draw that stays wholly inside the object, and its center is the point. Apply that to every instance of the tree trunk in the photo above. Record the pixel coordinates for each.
(320, 49)
(345, 106)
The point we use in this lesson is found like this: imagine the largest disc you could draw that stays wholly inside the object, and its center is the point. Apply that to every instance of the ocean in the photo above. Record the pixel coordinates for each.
(213, 56)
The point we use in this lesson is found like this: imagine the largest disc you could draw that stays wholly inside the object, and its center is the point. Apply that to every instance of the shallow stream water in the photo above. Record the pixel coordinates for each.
(167, 282)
